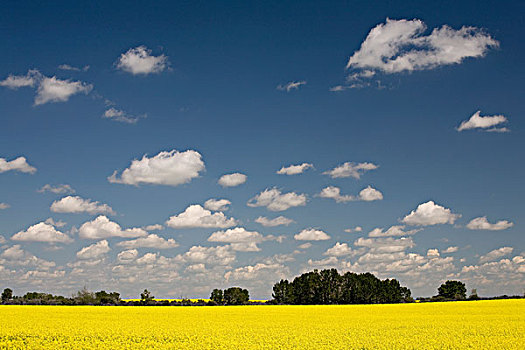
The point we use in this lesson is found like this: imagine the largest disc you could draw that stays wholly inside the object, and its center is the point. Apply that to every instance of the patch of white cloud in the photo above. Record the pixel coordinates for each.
(482, 223)
(217, 204)
(274, 200)
(155, 227)
(19, 164)
(433, 253)
(311, 234)
(396, 230)
(127, 256)
(350, 169)
(295, 169)
(166, 168)
(451, 249)
(94, 251)
(292, 85)
(278, 221)
(102, 227)
(232, 180)
(139, 60)
(368, 194)
(42, 232)
(353, 230)
(121, 116)
(57, 90)
(72, 68)
(496, 254)
(76, 204)
(487, 123)
(197, 216)
(58, 189)
(339, 249)
(4, 206)
(150, 241)
(430, 213)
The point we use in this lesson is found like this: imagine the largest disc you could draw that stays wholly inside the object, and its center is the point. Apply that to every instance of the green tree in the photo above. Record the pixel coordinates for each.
(283, 292)
(453, 290)
(84, 297)
(146, 296)
(7, 294)
(217, 296)
(236, 296)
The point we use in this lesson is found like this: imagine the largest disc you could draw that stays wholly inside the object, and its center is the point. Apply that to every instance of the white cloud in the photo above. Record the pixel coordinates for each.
(399, 45)
(102, 227)
(58, 189)
(232, 180)
(17, 81)
(221, 255)
(280, 220)
(166, 168)
(150, 241)
(94, 251)
(396, 230)
(236, 235)
(217, 204)
(4, 206)
(197, 216)
(339, 249)
(311, 234)
(350, 169)
(332, 261)
(430, 213)
(273, 200)
(295, 169)
(155, 227)
(385, 245)
(432, 253)
(58, 223)
(139, 60)
(19, 164)
(121, 116)
(76, 204)
(482, 223)
(127, 255)
(496, 254)
(450, 250)
(291, 85)
(370, 194)
(487, 123)
(57, 90)
(257, 272)
(355, 229)
(17, 256)
(42, 232)
(306, 245)
(72, 68)
(367, 194)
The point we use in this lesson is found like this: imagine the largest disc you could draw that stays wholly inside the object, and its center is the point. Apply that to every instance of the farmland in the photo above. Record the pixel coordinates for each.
(497, 324)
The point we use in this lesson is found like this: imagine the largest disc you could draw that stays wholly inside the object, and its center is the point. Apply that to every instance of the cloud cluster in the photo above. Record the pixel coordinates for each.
(76, 204)
(278, 221)
(482, 223)
(58, 189)
(19, 164)
(350, 169)
(487, 123)
(311, 234)
(102, 227)
(197, 216)
(217, 204)
(94, 251)
(274, 200)
(240, 239)
(42, 232)
(139, 60)
(367, 194)
(232, 180)
(166, 168)
(399, 45)
(150, 241)
(495, 254)
(430, 213)
(295, 169)
(121, 116)
(396, 230)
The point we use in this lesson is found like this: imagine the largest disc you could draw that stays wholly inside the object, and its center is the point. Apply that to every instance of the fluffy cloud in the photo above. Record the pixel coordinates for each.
(355, 229)
(432, 253)
(311, 234)
(166, 168)
(396, 230)
(280, 220)
(102, 227)
(232, 180)
(94, 251)
(217, 204)
(274, 200)
(291, 85)
(121, 116)
(150, 241)
(58, 189)
(139, 60)
(71, 68)
(57, 90)
(398, 45)
(42, 232)
(236, 235)
(17, 81)
(295, 169)
(496, 254)
(350, 169)
(197, 216)
(482, 223)
(4, 206)
(450, 250)
(127, 255)
(367, 194)
(221, 255)
(58, 223)
(487, 123)
(496, 277)
(19, 164)
(17, 256)
(155, 227)
(339, 249)
(76, 204)
(430, 213)
(385, 245)
(259, 272)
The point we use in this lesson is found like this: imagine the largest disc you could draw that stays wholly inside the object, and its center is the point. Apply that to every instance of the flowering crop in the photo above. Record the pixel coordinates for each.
(498, 324)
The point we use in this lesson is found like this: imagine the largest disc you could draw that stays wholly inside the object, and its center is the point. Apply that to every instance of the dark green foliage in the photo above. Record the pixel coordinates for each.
(217, 297)
(84, 297)
(453, 290)
(7, 294)
(146, 297)
(236, 296)
(104, 298)
(329, 287)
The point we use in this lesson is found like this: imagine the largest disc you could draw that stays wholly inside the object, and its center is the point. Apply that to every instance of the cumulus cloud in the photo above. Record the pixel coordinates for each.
(139, 60)
(240, 239)
(385, 245)
(278, 221)
(311, 234)
(72, 68)
(57, 90)
(17, 256)
(451, 249)
(232, 180)
(350, 169)
(94, 251)
(306, 245)
(482, 223)
(295, 169)
(166, 168)
(496, 254)
(399, 45)
(197, 216)
(339, 249)
(155, 227)
(430, 213)
(274, 200)
(58, 223)
(221, 255)
(291, 85)
(217, 204)
(4, 206)
(257, 272)
(127, 256)
(121, 116)
(14, 82)
(396, 230)
(102, 227)
(150, 241)
(58, 189)
(76, 204)
(355, 229)
(42, 232)
(367, 194)
(19, 164)
(432, 253)
(487, 123)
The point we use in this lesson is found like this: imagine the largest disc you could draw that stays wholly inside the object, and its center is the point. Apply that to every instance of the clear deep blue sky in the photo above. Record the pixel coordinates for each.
(219, 98)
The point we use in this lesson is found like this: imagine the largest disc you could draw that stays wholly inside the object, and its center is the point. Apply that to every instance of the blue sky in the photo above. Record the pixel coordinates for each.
(207, 83)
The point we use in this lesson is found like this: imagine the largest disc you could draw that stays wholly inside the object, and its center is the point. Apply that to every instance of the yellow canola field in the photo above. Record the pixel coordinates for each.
(455, 325)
